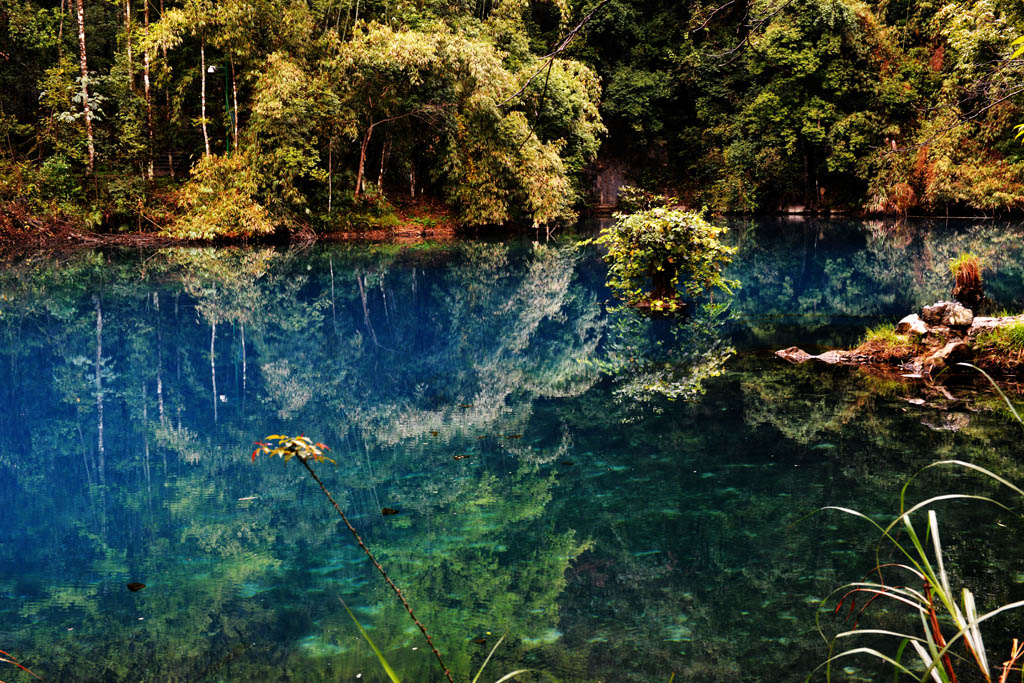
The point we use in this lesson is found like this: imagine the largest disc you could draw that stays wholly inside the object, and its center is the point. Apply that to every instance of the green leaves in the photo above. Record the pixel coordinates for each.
(652, 254)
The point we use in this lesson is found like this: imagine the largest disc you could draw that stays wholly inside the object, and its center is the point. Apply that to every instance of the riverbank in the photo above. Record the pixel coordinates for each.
(938, 340)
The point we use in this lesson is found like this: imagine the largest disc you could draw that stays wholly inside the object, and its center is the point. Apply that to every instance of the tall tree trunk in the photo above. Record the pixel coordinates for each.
(128, 41)
(149, 102)
(362, 159)
(202, 75)
(167, 98)
(234, 104)
(85, 88)
(383, 157)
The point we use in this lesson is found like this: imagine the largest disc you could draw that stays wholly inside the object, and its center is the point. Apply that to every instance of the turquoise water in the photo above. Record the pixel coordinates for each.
(621, 497)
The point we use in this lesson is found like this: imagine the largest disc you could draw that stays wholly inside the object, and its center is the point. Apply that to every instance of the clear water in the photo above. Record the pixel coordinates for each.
(612, 533)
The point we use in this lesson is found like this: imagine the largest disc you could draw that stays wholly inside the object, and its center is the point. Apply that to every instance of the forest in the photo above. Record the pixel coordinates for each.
(233, 119)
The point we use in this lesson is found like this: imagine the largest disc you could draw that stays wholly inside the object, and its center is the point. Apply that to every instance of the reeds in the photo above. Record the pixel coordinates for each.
(8, 658)
(919, 581)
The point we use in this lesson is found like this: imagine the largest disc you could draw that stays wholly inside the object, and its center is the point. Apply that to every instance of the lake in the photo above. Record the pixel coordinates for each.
(621, 498)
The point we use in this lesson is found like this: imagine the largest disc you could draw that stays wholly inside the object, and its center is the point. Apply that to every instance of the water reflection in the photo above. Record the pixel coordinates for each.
(491, 393)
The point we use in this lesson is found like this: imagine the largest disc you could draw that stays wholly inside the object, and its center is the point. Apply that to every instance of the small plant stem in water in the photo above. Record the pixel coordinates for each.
(398, 592)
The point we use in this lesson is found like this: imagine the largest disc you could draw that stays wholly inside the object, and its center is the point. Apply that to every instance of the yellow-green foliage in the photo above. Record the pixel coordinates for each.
(653, 254)
(884, 334)
(219, 201)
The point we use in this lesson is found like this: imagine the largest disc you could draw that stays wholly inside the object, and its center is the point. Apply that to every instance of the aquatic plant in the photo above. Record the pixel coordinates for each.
(654, 253)
(935, 603)
(390, 671)
(305, 450)
(8, 658)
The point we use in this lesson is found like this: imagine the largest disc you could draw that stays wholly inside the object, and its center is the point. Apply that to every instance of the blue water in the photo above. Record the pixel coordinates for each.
(621, 498)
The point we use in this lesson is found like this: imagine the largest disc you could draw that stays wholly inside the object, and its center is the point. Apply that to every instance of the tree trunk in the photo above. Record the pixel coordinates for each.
(383, 157)
(87, 114)
(362, 158)
(167, 96)
(128, 41)
(149, 102)
(202, 75)
(234, 105)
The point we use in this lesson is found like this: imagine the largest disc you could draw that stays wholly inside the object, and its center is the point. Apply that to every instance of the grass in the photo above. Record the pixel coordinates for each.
(1008, 339)
(884, 334)
(918, 581)
(966, 270)
(882, 343)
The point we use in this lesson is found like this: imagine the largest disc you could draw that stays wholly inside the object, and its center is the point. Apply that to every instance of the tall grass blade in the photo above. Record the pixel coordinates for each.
(863, 651)
(510, 676)
(14, 661)
(972, 626)
(489, 655)
(933, 524)
(380, 656)
(928, 661)
(1009, 405)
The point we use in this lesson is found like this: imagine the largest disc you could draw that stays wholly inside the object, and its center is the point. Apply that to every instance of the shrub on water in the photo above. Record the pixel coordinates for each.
(657, 254)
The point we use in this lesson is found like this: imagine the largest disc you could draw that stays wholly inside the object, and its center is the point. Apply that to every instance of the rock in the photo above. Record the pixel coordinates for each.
(958, 316)
(933, 314)
(942, 333)
(830, 357)
(948, 422)
(949, 313)
(950, 354)
(796, 355)
(912, 324)
(983, 324)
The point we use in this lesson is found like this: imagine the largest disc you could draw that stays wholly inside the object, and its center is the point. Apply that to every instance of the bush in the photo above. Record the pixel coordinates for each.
(220, 201)
(653, 254)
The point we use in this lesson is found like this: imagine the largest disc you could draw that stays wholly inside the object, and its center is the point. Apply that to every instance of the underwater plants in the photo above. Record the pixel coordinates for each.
(305, 450)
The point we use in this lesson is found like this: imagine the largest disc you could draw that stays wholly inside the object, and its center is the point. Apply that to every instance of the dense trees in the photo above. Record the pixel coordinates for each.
(324, 105)
(293, 113)
(759, 104)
